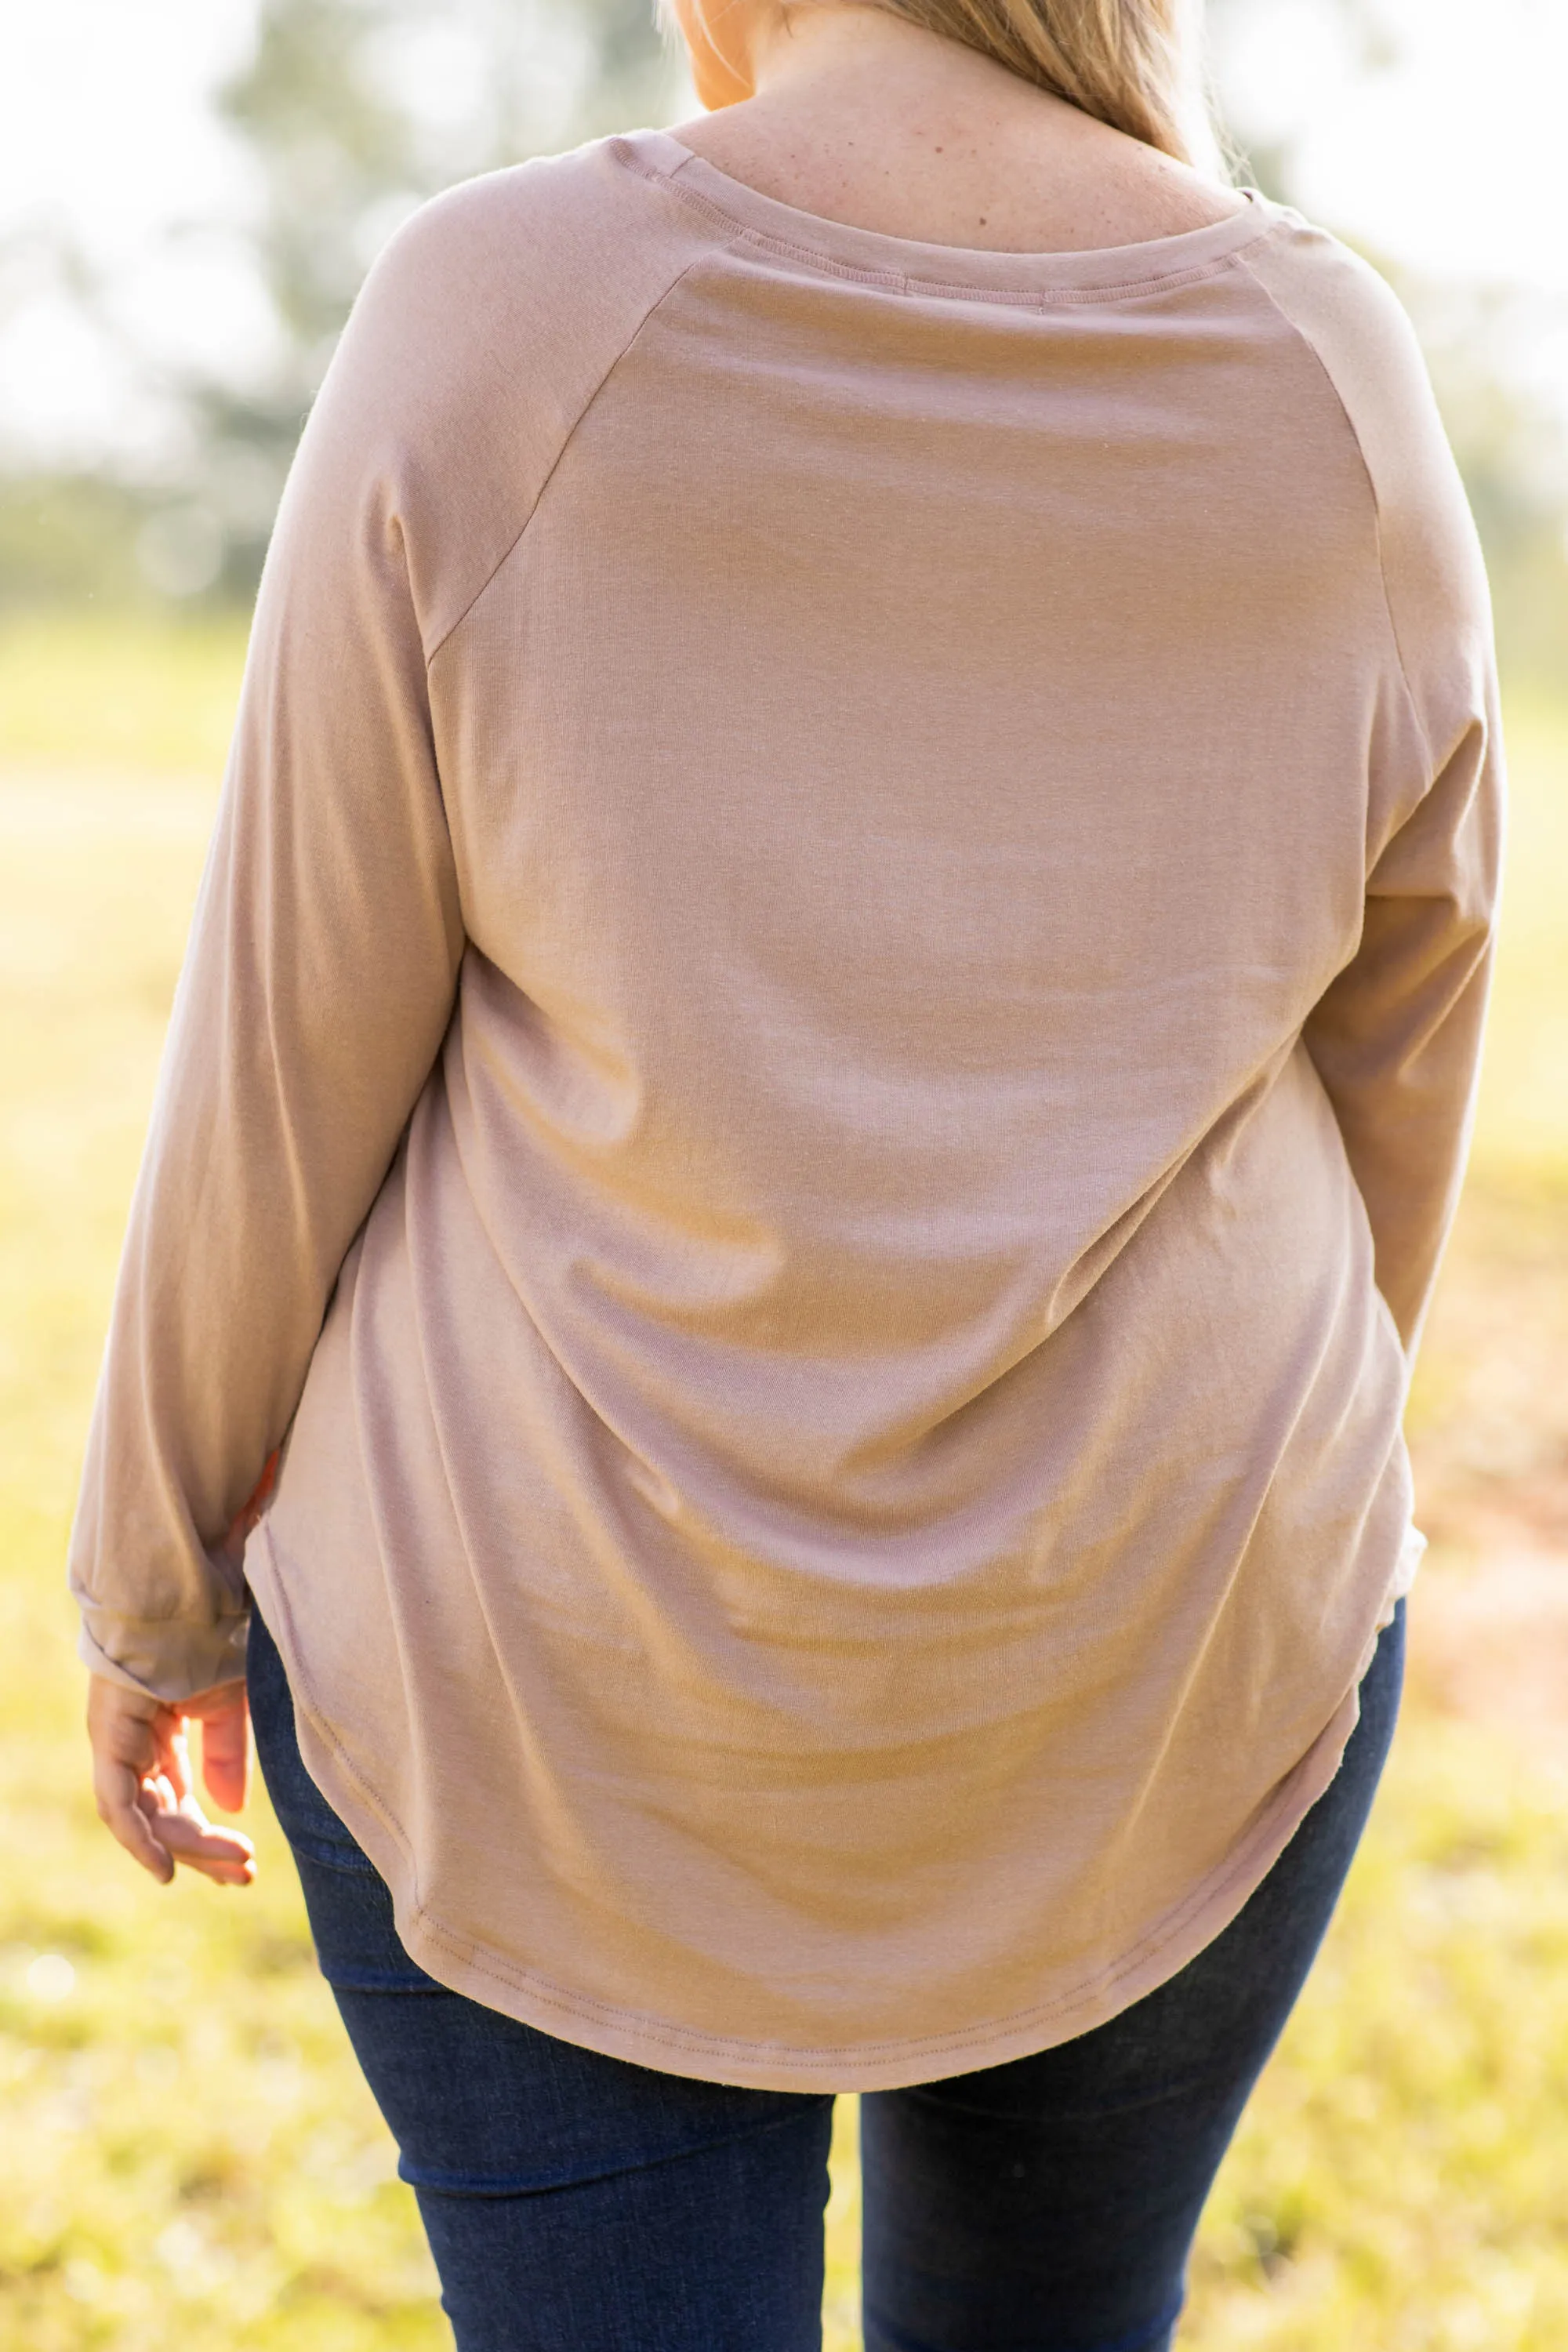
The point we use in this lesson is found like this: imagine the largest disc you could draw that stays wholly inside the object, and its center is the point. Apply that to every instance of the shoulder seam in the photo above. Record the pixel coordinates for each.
(566, 439)
(1308, 343)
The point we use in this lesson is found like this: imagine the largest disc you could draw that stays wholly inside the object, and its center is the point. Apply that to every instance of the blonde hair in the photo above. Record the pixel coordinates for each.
(1134, 64)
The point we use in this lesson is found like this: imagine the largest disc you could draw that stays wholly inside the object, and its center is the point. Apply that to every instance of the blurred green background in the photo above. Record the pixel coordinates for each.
(184, 2145)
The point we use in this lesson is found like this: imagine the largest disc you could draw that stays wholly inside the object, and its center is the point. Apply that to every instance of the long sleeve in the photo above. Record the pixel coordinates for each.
(318, 983)
(1397, 1037)
(845, 863)
(322, 970)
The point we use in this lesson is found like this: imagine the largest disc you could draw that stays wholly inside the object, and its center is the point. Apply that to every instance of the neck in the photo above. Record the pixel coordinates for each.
(856, 50)
(845, 109)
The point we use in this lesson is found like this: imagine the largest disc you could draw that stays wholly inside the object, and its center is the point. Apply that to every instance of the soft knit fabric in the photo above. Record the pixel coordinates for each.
(573, 2200)
(825, 1057)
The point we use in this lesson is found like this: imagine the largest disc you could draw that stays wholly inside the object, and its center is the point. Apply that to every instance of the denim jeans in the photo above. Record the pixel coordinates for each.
(578, 2203)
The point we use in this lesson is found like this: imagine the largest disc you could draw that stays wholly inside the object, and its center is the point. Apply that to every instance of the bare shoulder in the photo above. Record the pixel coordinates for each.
(1160, 196)
(1115, 189)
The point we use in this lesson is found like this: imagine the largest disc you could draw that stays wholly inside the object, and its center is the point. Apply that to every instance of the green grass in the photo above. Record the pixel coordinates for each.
(1524, 1095)
(84, 691)
(187, 2149)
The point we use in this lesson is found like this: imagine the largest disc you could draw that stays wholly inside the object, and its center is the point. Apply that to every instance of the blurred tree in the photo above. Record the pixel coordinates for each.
(67, 538)
(350, 113)
(1512, 449)
(353, 112)
(1511, 444)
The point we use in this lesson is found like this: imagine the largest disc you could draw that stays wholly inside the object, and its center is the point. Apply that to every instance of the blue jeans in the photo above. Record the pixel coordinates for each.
(577, 2204)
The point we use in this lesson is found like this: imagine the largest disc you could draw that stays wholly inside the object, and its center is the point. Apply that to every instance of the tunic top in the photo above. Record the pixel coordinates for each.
(826, 1052)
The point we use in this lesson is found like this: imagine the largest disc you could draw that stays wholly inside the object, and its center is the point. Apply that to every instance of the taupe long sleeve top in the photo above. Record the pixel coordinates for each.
(826, 1052)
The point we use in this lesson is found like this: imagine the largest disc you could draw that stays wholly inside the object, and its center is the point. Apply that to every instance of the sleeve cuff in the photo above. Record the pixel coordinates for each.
(167, 1658)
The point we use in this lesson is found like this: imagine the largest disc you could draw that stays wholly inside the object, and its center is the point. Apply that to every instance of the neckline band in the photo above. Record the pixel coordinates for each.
(908, 261)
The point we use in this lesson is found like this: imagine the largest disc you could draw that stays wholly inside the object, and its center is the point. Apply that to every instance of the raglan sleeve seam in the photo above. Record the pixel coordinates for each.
(617, 357)
(1310, 344)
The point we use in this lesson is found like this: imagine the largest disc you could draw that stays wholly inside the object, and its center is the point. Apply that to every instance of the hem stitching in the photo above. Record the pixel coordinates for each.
(470, 1955)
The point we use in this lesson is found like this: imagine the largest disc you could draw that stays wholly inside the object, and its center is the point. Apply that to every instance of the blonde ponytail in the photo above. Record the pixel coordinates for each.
(1132, 63)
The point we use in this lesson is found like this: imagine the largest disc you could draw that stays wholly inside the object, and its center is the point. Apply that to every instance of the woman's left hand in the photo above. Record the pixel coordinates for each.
(143, 1781)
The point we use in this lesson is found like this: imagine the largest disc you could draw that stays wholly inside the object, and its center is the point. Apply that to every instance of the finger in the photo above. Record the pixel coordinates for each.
(123, 1728)
(226, 1754)
(225, 1855)
(174, 1753)
(118, 1789)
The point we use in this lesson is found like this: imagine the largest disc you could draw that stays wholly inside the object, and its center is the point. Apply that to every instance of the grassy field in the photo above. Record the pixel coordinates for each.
(186, 2148)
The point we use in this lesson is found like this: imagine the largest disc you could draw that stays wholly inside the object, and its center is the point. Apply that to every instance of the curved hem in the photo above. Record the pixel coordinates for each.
(464, 1966)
